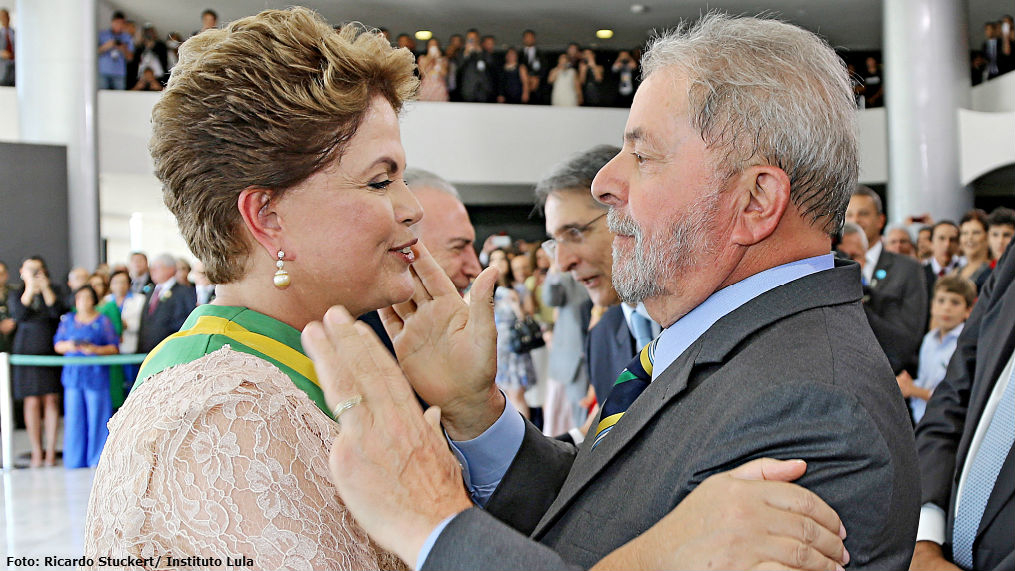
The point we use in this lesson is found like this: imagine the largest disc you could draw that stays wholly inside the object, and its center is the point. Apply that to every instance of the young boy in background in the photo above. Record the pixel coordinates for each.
(950, 307)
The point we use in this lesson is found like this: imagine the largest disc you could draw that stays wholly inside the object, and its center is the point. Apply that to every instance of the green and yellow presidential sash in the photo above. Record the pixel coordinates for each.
(210, 327)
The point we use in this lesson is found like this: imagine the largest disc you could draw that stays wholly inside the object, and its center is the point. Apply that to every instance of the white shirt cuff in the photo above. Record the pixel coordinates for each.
(932, 524)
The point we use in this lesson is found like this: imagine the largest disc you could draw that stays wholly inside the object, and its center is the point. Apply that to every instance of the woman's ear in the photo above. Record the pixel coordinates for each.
(257, 208)
(762, 200)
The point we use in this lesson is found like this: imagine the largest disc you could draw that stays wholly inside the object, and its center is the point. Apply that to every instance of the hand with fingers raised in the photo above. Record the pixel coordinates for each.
(390, 462)
(447, 347)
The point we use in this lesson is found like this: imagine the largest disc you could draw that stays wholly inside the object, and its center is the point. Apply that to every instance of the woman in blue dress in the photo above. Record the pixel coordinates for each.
(86, 399)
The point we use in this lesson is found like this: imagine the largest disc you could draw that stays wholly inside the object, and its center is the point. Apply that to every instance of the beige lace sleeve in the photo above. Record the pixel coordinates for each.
(223, 459)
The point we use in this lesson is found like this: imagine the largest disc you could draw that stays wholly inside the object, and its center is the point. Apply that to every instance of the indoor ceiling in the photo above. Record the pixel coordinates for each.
(851, 24)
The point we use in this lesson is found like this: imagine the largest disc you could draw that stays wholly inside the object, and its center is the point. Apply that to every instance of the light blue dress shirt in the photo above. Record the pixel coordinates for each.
(486, 458)
(935, 352)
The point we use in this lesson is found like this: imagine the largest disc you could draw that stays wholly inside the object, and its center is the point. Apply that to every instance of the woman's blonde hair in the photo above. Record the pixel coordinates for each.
(266, 102)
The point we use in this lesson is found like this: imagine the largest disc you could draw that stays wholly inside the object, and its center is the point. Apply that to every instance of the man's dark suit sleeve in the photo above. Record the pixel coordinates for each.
(899, 324)
(940, 430)
(185, 302)
(457, 547)
(528, 488)
(532, 481)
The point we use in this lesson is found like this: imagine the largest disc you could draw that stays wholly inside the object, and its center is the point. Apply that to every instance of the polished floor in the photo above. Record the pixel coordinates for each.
(43, 511)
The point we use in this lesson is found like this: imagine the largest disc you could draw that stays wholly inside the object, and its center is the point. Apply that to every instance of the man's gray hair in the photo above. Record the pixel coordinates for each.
(761, 90)
(903, 227)
(419, 178)
(852, 228)
(164, 260)
(575, 173)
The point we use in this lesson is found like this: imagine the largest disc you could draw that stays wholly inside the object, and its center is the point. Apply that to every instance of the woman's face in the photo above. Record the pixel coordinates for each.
(83, 301)
(346, 229)
(973, 239)
(498, 259)
(98, 284)
(119, 284)
(511, 57)
(521, 267)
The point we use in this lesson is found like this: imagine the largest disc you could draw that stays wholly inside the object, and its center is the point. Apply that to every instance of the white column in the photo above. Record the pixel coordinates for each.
(56, 104)
(926, 71)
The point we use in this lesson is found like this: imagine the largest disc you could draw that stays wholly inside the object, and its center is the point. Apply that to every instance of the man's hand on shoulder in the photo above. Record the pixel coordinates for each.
(747, 518)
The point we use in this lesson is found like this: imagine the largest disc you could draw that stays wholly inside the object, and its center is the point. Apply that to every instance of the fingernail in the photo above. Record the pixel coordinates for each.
(839, 568)
(845, 556)
(842, 531)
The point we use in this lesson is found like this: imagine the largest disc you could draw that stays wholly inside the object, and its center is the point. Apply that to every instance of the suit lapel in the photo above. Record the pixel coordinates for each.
(589, 464)
(839, 285)
(622, 335)
(883, 266)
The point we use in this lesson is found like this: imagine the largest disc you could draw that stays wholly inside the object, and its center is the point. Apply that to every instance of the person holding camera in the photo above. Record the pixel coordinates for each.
(625, 68)
(37, 309)
(116, 48)
(564, 78)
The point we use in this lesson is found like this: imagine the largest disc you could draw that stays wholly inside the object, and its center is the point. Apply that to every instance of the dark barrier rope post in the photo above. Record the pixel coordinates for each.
(7, 405)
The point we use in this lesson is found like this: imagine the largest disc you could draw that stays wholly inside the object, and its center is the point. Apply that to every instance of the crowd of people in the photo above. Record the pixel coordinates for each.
(476, 68)
(124, 308)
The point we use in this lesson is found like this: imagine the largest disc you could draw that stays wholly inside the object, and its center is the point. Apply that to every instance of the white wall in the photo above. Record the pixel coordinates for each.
(995, 95)
(473, 144)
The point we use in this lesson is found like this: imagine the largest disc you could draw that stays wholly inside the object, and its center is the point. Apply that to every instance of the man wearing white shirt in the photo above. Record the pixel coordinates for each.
(896, 300)
(736, 169)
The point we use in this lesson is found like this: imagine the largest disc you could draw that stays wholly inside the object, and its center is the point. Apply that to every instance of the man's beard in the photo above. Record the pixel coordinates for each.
(656, 260)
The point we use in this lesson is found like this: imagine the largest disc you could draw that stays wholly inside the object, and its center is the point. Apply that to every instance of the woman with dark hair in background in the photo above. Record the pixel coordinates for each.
(129, 306)
(975, 248)
(86, 400)
(36, 309)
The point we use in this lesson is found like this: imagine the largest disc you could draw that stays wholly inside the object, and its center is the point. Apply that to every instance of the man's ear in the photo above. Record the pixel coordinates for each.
(257, 207)
(762, 198)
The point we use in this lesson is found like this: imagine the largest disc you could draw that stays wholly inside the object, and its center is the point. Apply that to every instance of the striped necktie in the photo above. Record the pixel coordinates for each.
(982, 476)
(634, 379)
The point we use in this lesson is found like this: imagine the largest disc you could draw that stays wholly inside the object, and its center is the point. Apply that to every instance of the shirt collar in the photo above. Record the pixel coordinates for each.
(676, 338)
(873, 255)
(630, 310)
(953, 333)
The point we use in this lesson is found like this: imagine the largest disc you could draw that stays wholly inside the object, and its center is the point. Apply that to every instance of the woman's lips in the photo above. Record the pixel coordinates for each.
(405, 252)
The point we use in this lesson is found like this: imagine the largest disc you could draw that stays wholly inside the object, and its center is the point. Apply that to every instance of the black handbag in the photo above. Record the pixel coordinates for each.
(526, 335)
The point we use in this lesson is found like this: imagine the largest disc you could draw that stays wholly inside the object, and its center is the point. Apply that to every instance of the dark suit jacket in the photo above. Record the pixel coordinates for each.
(944, 434)
(168, 317)
(609, 347)
(897, 308)
(794, 373)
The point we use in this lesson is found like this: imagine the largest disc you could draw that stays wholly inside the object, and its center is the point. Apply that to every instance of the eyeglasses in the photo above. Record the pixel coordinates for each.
(570, 235)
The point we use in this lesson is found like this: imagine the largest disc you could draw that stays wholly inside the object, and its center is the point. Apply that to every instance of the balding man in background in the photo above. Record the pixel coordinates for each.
(445, 230)
(167, 306)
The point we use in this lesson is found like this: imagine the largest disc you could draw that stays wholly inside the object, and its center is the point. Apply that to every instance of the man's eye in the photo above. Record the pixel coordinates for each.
(638, 157)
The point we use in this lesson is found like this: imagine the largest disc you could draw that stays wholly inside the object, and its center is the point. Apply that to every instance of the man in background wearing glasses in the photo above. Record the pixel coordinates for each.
(581, 243)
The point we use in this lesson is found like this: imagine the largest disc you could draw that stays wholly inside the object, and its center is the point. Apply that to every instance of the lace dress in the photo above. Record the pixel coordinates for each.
(224, 457)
